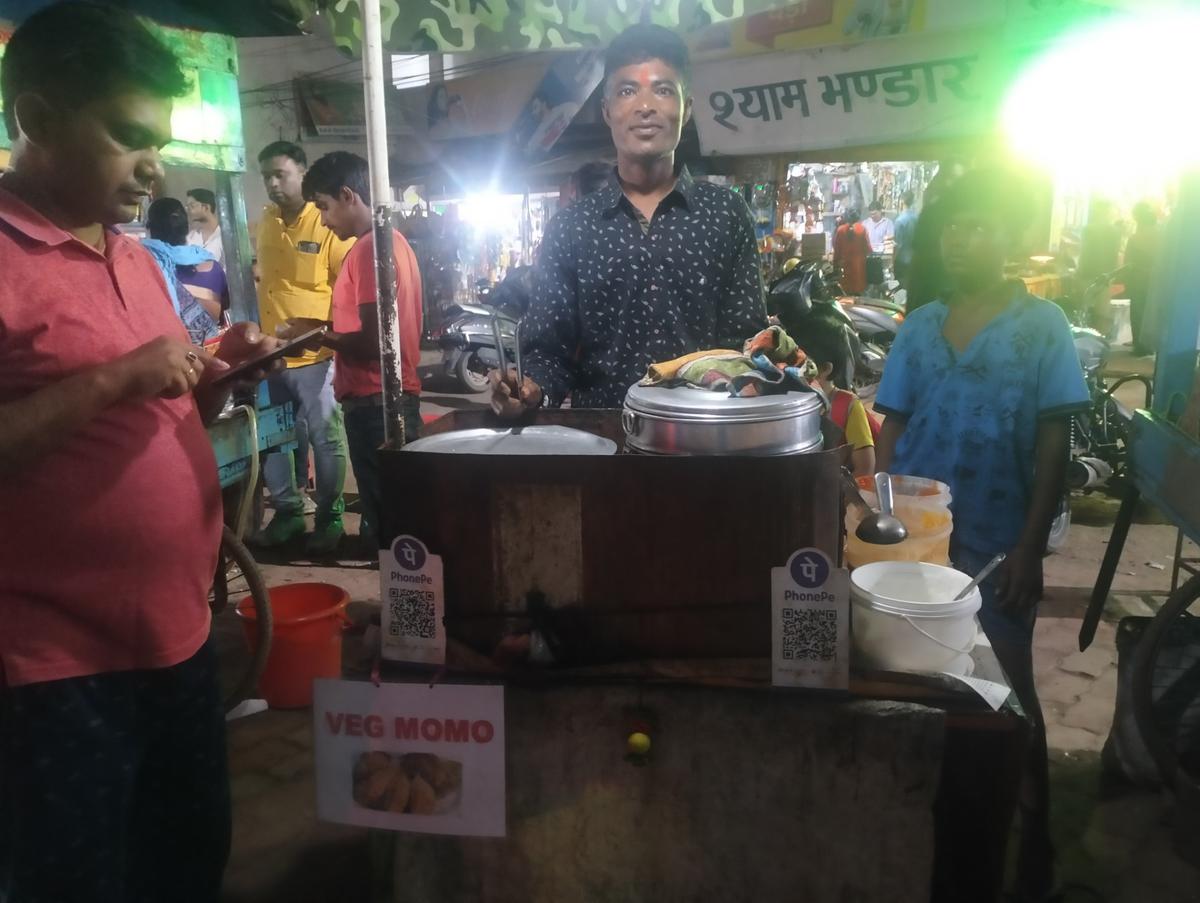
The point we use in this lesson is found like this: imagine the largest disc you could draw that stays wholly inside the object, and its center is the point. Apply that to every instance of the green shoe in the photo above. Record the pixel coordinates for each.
(282, 529)
(325, 538)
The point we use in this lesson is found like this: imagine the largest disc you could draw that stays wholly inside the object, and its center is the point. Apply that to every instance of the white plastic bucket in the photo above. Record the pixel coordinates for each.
(905, 617)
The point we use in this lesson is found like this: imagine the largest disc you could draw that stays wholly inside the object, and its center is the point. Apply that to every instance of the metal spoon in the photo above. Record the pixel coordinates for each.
(496, 336)
(884, 528)
(980, 577)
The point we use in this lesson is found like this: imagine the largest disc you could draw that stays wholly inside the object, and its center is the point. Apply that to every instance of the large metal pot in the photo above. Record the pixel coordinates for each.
(684, 421)
(528, 440)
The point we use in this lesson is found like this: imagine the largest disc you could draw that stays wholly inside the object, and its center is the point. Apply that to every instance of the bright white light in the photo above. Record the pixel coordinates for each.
(1112, 99)
(481, 210)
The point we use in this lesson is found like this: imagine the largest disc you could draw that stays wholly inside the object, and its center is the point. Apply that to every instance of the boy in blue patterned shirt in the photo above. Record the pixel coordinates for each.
(978, 392)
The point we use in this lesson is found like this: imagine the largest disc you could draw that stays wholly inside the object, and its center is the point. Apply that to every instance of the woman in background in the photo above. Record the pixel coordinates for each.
(194, 278)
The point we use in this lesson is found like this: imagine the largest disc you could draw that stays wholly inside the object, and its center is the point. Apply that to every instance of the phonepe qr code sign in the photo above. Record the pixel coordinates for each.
(414, 606)
(810, 623)
(413, 613)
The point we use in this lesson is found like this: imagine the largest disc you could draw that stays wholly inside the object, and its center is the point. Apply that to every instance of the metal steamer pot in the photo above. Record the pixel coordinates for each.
(684, 421)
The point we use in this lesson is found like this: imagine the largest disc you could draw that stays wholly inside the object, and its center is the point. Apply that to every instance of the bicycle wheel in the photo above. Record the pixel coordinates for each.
(1166, 689)
(240, 669)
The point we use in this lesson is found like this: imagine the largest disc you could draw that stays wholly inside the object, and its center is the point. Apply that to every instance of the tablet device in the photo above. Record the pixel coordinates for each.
(290, 348)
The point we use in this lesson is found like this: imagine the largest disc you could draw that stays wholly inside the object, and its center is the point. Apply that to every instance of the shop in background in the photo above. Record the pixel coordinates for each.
(467, 245)
(816, 197)
(797, 207)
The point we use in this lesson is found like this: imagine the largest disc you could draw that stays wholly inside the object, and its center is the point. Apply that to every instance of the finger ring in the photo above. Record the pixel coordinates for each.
(192, 356)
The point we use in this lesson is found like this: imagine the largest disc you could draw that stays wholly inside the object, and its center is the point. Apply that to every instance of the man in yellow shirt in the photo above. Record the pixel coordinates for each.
(298, 261)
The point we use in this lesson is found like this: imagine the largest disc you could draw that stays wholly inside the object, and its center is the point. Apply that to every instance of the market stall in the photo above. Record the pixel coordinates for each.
(490, 234)
(651, 745)
(612, 670)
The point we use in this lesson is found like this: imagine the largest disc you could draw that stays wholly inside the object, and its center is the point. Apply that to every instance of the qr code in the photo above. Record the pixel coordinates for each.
(810, 634)
(412, 613)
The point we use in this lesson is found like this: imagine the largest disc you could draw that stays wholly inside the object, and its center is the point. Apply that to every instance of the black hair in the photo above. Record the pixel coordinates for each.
(851, 216)
(824, 341)
(875, 205)
(1004, 194)
(74, 53)
(283, 149)
(640, 43)
(205, 197)
(167, 221)
(908, 198)
(335, 171)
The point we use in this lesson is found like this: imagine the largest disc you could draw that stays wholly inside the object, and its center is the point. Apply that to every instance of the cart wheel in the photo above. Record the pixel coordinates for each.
(1166, 690)
(239, 669)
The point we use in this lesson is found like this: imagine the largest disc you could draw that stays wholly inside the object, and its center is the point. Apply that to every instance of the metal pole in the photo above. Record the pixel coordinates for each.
(375, 90)
(235, 238)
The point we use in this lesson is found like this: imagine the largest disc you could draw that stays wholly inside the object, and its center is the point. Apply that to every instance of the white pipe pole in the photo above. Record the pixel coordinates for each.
(375, 91)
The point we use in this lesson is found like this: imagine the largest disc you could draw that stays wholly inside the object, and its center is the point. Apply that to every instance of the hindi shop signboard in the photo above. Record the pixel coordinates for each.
(875, 93)
(411, 757)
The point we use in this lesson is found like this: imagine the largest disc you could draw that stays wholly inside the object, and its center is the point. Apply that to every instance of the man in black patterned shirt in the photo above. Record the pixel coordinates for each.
(652, 266)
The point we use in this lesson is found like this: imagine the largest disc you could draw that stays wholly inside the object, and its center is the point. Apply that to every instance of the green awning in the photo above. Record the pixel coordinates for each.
(433, 26)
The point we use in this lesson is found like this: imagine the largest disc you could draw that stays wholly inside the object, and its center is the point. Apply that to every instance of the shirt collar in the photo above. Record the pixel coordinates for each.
(611, 195)
(34, 225)
(28, 221)
(1020, 296)
(307, 210)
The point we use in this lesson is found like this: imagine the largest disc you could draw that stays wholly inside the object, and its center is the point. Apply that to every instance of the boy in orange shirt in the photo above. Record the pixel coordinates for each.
(339, 186)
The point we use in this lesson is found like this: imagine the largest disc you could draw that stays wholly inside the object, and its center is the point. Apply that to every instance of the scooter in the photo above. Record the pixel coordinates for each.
(467, 337)
(468, 343)
(876, 321)
(1099, 436)
(801, 291)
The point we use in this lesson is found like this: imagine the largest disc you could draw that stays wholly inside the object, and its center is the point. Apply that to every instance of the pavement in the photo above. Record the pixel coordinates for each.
(1114, 841)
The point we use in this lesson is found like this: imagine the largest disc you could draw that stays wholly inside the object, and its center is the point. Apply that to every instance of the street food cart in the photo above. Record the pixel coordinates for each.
(648, 579)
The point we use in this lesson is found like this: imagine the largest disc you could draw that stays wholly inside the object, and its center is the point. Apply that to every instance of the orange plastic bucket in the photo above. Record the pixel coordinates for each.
(306, 641)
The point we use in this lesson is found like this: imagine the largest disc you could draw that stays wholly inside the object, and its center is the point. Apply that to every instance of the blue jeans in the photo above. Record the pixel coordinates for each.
(319, 424)
(364, 434)
(1000, 626)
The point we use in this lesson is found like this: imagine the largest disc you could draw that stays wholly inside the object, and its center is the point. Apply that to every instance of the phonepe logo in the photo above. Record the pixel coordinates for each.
(810, 568)
(409, 553)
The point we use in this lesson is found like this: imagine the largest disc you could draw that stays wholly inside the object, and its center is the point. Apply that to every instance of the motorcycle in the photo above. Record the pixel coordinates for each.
(467, 336)
(805, 288)
(468, 343)
(1099, 436)
(876, 321)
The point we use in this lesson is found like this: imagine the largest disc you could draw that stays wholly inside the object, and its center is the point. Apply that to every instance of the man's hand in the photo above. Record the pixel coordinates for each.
(162, 368)
(505, 400)
(245, 341)
(1019, 579)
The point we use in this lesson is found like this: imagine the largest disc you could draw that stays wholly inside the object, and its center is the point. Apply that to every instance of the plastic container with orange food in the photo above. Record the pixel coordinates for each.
(929, 492)
(923, 506)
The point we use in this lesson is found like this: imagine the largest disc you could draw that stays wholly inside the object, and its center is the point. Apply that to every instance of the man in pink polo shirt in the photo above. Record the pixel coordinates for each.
(339, 186)
(113, 783)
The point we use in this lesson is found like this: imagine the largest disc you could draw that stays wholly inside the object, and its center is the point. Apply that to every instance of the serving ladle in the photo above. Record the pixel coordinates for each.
(882, 528)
